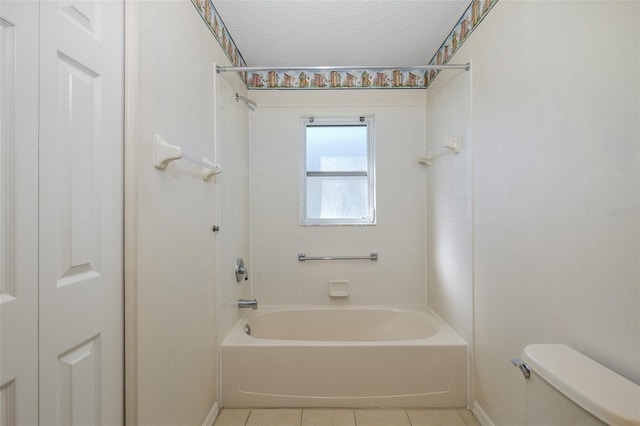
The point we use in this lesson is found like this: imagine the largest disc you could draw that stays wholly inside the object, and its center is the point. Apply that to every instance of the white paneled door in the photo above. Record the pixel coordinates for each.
(80, 244)
(62, 180)
(18, 213)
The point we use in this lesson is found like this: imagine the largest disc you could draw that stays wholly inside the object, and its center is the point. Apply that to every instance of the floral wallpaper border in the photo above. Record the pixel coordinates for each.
(471, 18)
(219, 30)
(352, 79)
(327, 79)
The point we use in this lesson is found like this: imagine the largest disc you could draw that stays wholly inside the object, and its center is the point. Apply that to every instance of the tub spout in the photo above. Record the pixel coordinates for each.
(248, 303)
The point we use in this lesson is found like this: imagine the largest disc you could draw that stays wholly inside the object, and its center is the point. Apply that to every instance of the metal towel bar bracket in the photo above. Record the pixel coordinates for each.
(303, 257)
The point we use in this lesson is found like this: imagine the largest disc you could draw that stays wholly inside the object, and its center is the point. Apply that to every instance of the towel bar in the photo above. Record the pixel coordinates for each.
(303, 257)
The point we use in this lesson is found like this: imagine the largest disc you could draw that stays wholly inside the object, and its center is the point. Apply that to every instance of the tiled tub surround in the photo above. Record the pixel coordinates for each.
(398, 277)
(349, 357)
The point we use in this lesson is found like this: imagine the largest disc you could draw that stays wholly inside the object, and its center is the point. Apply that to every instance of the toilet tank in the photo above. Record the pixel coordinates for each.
(568, 388)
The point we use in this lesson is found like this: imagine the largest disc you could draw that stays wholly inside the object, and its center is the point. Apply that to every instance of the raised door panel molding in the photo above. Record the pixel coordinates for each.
(85, 14)
(78, 112)
(79, 381)
(7, 118)
(8, 404)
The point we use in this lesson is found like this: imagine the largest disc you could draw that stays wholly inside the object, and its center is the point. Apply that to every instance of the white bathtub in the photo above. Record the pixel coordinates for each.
(346, 357)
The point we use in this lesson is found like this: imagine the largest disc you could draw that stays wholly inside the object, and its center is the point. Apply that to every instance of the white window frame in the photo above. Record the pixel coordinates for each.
(368, 121)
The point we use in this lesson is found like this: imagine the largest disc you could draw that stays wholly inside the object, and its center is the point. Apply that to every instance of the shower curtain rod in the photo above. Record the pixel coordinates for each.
(465, 67)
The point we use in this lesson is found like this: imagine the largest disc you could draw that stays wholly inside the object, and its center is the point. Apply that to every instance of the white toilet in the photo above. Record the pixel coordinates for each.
(566, 387)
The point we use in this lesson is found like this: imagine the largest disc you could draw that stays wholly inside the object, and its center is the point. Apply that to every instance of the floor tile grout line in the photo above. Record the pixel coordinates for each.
(460, 415)
(408, 418)
(459, 411)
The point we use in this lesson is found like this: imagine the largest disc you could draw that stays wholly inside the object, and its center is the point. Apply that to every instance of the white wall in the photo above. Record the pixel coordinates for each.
(398, 278)
(555, 127)
(449, 206)
(175, 249)
(449, 203)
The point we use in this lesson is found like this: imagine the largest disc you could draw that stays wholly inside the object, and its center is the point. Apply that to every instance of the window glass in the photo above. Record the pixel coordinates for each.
(337, 198)
(338, 178)
(337, 148)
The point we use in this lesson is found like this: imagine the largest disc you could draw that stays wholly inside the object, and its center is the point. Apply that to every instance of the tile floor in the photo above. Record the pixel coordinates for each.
(345, 417)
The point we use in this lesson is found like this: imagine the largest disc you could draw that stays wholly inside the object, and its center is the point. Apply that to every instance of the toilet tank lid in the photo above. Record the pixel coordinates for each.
(600, 391)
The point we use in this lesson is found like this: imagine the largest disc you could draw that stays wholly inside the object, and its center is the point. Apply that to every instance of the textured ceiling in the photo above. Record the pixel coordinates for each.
(339, 32)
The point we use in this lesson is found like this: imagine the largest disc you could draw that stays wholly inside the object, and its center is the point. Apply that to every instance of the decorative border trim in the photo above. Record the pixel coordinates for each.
(212, 19)
(328, 79)
(470, 19)
(352, 79)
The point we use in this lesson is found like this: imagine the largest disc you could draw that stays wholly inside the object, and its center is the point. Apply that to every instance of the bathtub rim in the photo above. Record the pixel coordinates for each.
(445, 336)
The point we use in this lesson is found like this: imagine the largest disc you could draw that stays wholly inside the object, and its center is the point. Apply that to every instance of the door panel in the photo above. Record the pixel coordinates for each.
(18, 212)
(77, 176)
(80, 245)
(79, 384)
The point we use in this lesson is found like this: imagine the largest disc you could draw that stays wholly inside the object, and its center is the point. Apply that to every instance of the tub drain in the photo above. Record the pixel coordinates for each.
(247, 329)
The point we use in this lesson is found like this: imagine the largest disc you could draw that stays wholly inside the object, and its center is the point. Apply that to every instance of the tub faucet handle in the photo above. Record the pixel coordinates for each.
(241, 270)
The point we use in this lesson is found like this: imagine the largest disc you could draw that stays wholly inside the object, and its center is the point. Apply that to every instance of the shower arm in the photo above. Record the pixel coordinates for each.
(250, 104)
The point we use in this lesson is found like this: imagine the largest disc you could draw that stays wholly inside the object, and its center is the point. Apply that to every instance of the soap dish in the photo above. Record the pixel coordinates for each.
(339, 288)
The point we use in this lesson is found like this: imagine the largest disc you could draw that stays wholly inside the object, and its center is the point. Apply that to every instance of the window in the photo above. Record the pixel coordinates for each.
(338, 175)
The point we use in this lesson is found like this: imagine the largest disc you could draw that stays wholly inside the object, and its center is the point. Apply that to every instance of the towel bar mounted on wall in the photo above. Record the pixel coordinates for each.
(303, 257)
(454, 145)
(165, 153)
